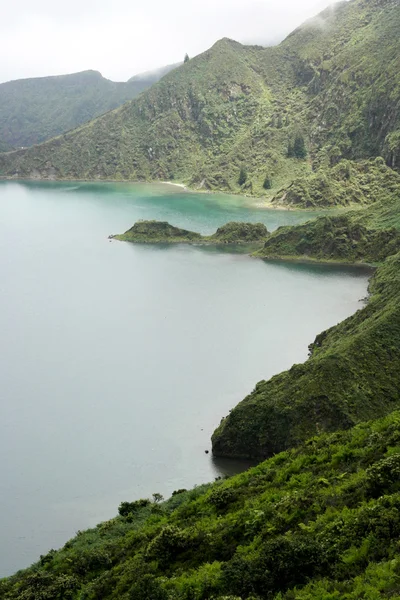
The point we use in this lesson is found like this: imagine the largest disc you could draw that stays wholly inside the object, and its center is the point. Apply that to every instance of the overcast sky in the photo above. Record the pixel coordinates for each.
(121, 38)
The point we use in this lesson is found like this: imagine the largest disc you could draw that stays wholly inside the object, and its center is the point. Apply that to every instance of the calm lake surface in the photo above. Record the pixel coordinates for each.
(118, 361)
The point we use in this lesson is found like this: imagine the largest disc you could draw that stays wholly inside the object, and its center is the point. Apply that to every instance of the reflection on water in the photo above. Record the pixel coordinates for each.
(225, 467)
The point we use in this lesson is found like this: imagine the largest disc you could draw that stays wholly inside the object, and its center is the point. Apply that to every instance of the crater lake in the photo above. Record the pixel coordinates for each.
(119, 360)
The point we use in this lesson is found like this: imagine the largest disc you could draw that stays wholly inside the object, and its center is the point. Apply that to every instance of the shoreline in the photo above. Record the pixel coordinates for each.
(256, 201)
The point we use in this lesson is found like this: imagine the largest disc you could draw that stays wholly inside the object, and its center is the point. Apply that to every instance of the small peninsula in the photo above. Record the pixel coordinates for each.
(161, 232)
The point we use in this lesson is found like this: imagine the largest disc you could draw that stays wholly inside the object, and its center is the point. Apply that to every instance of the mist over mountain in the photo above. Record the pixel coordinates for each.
(154, 75)
(34, 110)
(329, 91)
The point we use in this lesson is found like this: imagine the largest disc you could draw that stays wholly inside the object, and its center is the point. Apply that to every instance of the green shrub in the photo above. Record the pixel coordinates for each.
(126, 508)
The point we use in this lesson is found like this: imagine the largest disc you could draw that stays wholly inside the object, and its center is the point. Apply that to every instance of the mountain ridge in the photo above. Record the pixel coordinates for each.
(35, 109)
(236, 105)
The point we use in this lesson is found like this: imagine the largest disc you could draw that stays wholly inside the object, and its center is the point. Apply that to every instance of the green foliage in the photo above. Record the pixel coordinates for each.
(180, 491)
(299, 147)
(147, 588)
(236, 232)
(320, 518)
(353, 373)
(221, 497)
(233, 105)
(347, 183)
(169, 544)
(242, 176)
(127, 508)
(384, 476)
(186, 59)
(267, 185)
(320, 521)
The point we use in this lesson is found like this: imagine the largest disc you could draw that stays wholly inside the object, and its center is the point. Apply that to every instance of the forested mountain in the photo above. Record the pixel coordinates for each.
(329, 91)
(37, 109)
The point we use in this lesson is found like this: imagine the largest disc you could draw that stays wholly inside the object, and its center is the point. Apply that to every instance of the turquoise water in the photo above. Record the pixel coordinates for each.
(119, 360)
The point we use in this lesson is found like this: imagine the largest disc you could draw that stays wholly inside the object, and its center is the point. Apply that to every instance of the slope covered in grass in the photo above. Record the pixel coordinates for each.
(318, 522)
(249, 119)
(353, 370)
(368, 234)
(353, 374)
(347, 183)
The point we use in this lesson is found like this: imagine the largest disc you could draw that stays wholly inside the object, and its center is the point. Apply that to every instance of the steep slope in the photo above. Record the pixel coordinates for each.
(368, 234)
(331, 90)
(353, 374)
(348, 58)
(353, 370)
(320, 522)
(349, 182)
(179, 128)
(34, 110)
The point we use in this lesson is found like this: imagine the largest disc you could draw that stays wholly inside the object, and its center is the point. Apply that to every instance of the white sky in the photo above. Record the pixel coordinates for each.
(121, 38)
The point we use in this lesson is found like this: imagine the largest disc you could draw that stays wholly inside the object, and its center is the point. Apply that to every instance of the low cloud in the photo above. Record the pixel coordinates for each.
(123, 38)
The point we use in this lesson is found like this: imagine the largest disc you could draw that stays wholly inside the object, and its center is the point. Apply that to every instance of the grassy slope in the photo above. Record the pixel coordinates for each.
(34, 110)
(353, 371)
(353, 374)
(351, 69)
(319, 522)
(347, 183)
(363, 235)
(176, 128)
(237, 105)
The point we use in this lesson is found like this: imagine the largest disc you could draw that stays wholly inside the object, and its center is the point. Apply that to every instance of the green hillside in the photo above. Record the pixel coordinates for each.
(249, 119)
(317, 523)
(37, 109)
(345, 184)
(353, 374)
(353, 370)
(304, 123)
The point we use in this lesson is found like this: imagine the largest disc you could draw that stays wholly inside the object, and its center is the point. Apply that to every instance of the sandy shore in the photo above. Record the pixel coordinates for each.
(180, 185)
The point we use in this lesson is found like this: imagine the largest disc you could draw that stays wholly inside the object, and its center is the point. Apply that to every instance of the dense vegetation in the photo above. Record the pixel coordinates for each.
(37, 109)
(320, 522)
(349, 182)
(320, 519)
(353, 374)
(162, 232)
(250, 119)
(354, 368)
